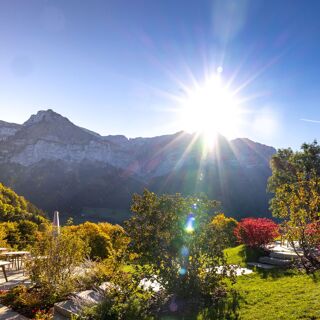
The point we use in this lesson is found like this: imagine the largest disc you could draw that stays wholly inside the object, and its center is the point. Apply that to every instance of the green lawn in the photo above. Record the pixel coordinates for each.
(276, 294)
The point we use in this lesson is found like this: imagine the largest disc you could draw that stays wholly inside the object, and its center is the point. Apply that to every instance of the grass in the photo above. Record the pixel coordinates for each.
(240, 255)
(276, 294)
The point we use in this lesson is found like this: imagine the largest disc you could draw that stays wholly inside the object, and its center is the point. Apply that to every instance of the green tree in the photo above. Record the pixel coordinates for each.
(295, 183)
(14, 207)
(225, 226)
(28, 233)
(172, 235)
(103, 239)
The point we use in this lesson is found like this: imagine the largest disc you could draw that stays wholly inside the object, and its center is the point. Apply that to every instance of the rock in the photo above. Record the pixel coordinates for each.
(58, 165)
(261, 265)
(275, 261)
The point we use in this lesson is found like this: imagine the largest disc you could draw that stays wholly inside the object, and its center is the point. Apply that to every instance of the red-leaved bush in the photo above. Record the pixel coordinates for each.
(313, 233)
(256, 232)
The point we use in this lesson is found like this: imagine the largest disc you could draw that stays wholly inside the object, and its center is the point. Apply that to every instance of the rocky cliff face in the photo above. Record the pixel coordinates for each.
(8, 129)
(57, 164)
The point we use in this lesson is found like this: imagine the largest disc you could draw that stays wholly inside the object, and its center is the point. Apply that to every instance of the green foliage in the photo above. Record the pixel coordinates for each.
(242, 254)
(43, 315)
(225, 227)
(25, 301)
(14, 207)
(21, 234)
(172, 234)
(126, 299)
(28, 231)
(54, 264)
(103, 239)
(295, 183)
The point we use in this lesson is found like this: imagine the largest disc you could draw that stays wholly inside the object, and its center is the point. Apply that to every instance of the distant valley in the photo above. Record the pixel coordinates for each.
(60, 166)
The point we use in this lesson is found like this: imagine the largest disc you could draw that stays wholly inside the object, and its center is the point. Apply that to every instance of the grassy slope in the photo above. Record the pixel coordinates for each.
(275, 294)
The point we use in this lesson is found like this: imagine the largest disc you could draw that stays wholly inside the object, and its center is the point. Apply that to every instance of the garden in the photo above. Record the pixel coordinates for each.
(178, 257)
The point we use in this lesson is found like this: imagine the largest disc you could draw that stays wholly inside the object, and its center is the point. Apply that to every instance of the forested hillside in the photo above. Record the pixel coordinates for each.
(14, 207)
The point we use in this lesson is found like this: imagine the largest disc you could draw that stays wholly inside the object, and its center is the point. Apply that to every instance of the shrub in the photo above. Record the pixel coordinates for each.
(103, 239)
(225, 226)
(256, 232)
(54, 264)
(125, 299)
(25, 301)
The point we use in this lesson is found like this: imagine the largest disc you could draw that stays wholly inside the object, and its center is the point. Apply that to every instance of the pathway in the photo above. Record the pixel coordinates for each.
(8, 314)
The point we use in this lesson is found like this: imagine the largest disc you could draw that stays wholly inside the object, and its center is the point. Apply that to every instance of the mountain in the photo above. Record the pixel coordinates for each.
(58, 165)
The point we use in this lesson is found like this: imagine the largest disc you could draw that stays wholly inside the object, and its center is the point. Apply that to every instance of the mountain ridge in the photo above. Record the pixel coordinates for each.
(50, 153)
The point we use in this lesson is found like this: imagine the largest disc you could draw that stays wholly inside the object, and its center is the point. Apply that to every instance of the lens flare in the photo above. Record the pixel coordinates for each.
(189, 227)
(184, 251)
(182, 271)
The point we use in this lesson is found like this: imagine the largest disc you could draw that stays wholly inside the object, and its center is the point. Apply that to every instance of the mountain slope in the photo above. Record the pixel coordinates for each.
(59, 165)
(14, 207)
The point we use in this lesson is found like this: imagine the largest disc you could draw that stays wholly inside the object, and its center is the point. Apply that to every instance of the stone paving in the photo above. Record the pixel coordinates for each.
(8, 314)
(15, 277)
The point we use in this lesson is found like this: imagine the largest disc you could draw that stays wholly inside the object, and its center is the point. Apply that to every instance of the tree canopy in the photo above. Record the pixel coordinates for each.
(295, 182)
(173, 235)
(14, 207)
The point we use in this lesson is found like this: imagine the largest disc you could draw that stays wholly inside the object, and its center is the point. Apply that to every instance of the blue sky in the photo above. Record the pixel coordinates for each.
(113, 66)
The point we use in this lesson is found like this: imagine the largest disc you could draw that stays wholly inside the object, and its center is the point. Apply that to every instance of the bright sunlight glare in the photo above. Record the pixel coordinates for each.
(209, 109)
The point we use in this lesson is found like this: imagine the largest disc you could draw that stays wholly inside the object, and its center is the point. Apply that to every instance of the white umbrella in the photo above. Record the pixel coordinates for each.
(56, 223)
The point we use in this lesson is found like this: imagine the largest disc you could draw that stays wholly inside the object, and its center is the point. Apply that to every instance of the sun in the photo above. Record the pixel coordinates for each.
(209, 109)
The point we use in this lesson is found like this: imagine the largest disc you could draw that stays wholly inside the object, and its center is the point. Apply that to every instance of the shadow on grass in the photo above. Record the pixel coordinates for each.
(252, 254)
(225, 309)
(276, 273)
(315, 276)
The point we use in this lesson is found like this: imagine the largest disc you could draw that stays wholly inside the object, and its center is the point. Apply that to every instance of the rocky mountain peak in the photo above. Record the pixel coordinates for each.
(45, 115)
(59, 165)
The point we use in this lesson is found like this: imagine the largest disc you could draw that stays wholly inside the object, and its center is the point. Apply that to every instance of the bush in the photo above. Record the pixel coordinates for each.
(225, 226)
(26, 301)
(126, 299)
(103, 239)
(256, 232)
(54, 264)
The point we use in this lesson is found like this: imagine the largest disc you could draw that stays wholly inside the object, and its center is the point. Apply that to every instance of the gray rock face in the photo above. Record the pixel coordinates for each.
(29, 152)
(49, 136)
(8, 129)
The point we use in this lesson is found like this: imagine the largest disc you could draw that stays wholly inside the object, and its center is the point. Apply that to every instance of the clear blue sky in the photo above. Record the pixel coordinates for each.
(112, 65)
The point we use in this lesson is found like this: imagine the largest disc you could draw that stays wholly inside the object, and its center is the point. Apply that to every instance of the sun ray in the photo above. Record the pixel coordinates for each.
(209, 109)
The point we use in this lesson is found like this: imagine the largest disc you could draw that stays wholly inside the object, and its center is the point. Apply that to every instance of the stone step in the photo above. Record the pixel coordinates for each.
(72, 307)
(58, 316)
(66, 309)
(260, 265)
(284, 255)
(89, 296)
(275, 261)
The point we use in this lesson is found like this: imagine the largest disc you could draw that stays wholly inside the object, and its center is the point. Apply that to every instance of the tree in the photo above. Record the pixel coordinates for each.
(103, 239)
(225, 226)
(295, 182)
(256, 232)
(172, 235)
(15, 208)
